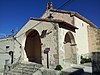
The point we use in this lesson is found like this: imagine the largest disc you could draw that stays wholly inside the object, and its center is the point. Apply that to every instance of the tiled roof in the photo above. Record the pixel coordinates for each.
(55, 21)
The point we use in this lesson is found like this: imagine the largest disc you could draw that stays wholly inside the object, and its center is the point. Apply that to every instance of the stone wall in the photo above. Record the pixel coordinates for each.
(98, 39)
(92, 38)
(6, 45)
(63, 60)
(49, 41)
(60, 16)
(64, 17)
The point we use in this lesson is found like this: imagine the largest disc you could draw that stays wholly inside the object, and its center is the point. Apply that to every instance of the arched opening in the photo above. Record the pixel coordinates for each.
(69, 46)
(33, 46)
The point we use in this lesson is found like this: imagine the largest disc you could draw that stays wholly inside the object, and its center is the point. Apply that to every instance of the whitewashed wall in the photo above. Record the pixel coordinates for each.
(81, 37)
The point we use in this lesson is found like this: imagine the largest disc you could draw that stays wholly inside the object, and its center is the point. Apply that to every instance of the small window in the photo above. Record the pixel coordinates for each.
(7, 47)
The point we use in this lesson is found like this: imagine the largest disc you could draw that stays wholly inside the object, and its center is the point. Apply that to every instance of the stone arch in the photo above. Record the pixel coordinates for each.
(69, 43)
(33, 46)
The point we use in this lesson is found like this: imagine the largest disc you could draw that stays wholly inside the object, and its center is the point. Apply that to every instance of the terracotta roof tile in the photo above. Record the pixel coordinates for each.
(55, 21)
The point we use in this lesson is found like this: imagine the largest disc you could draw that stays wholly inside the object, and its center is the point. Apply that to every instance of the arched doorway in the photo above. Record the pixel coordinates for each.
(33, 46)
(69, 46)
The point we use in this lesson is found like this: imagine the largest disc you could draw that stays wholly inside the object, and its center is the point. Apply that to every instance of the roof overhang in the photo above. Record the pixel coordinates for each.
(61, 22)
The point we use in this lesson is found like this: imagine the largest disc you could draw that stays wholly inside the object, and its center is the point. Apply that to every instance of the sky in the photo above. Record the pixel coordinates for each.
(15, 13)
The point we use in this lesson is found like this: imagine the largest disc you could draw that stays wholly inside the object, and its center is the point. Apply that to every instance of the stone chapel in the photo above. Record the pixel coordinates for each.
(66, 35)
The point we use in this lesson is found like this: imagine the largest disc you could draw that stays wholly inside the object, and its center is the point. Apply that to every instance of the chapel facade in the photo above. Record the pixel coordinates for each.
(65, 35)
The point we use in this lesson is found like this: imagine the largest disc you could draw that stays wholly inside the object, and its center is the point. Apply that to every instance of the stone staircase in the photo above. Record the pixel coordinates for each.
(29, 68)
(26, 68)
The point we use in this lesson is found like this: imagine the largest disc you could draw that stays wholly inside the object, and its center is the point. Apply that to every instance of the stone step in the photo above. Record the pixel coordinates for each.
(29, 64)
(20, 72)
(25, 68)
(17, 73)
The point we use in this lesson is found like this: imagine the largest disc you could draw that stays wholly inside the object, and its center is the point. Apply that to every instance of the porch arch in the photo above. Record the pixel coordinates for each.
(69, 44)
(33, 46)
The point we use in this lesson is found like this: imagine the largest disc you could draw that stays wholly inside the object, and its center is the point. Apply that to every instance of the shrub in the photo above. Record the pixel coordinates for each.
(58, 67)
(84, 60)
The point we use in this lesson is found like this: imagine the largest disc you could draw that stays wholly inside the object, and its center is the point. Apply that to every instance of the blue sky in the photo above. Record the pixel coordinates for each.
(15, 13)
